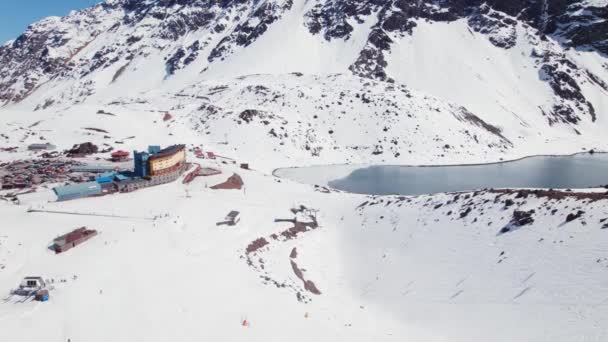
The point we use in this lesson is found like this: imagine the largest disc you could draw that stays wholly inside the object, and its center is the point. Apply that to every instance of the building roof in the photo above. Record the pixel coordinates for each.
(121, 178)
(38, 280)
(106, 177)
(120, 154)
(74, 235)
(74, 189)
(168, 151)
(41, 146)
(108, 174)
(92, 168)
(133, 181)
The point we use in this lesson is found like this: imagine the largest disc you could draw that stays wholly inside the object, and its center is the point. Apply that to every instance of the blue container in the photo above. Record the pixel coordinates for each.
(69, 192)
(44, 298)
(153, 149)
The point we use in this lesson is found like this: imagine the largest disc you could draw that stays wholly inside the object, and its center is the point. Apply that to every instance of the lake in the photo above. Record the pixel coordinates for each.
(559, 172)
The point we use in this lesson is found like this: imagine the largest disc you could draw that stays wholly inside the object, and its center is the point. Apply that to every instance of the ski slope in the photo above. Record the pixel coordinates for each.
(397, 269)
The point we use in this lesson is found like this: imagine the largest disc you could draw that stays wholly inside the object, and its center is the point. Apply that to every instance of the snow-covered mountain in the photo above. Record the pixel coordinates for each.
(547, 42)
(534, 70)
(279, 83)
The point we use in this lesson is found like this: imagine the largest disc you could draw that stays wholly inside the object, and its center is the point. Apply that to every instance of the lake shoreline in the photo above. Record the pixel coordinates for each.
(366, 179)
(364, 165)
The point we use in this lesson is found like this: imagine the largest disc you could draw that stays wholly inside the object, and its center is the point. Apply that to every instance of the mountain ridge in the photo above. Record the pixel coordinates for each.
(54, 44)
(514, 66)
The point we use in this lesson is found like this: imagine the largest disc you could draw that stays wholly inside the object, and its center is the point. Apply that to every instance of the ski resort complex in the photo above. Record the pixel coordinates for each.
(155, 167)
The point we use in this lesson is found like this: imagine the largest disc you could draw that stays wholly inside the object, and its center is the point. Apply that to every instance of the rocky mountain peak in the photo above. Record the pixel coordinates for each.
(111, 37)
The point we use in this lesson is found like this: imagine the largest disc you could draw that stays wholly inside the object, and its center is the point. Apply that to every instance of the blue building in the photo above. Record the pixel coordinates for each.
(113, 176)
(141, 159)
(122, 177)
(141, 163)
(70, 192)
(154, 149)
(106, 177)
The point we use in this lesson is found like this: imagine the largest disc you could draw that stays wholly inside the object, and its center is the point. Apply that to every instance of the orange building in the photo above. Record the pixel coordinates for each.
(167, 161)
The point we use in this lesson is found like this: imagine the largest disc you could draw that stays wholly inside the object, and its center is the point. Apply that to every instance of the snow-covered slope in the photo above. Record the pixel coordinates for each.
(276, 121)
(387, 269)
(504, 65)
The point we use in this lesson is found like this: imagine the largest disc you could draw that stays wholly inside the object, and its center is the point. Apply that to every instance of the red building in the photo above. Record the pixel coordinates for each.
(73, 239)
(120, 156)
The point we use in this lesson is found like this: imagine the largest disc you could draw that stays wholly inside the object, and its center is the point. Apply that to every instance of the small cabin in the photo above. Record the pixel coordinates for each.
(41, 147)
(120, 156)
(32, 284)
(233, 218)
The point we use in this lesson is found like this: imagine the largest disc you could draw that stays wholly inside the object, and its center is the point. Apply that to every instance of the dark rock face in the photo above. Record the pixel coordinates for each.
(257, 245)
(31, 55)
(582, 26)
(564, 76)
(83, 149)
(473, 119)
(572, 22)
(177, 26)
(567, 89)
(47, 49)
(50, 48)
(585, 24)
(331, 18)
(249, 114)
(248, 31)
(173, 62)
(523, 218)
(573, 216)
(371, 62)
(183, 57)
(562, 83)
(500, 29)
(519, 219)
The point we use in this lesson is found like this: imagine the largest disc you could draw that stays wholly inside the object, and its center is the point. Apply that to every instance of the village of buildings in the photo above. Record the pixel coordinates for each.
(123, 172)
(65, 178)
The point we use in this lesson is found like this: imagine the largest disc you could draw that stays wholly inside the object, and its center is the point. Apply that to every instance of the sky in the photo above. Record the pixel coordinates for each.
(16, 15)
